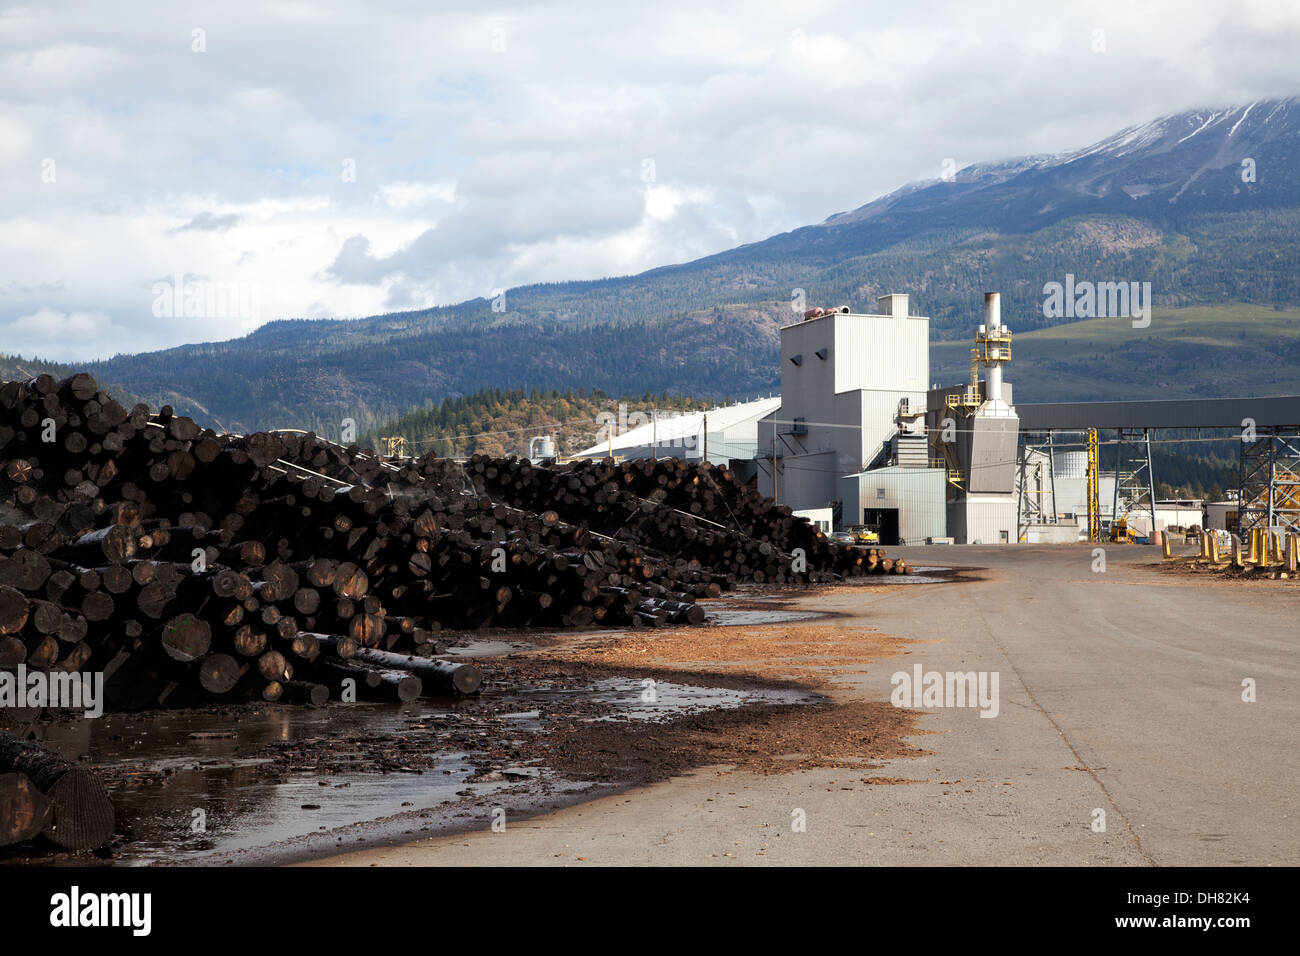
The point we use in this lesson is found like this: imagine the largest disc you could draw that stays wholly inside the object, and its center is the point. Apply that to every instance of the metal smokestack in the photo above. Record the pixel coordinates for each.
(993, 322)
(993, 310)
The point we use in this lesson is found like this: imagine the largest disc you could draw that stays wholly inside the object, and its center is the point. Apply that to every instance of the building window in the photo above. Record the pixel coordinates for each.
(1004, 536)
(880, 494)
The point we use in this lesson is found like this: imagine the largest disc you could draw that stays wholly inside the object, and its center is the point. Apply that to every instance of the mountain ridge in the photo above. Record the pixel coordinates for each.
(1168, 202)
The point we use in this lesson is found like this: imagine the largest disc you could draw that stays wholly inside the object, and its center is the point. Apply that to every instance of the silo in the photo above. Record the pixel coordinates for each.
(541, 448)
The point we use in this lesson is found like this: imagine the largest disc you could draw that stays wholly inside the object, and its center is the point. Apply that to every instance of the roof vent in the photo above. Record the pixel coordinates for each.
(821, 354)
(797, 359)
(819, 312)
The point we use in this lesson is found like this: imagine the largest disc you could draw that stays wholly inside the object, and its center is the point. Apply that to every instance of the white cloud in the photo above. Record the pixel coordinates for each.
(494, 148)
(61, 65)
(412, 195)
(64, 336)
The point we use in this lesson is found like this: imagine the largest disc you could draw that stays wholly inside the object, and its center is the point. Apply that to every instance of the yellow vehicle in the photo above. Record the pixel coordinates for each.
(1120, 533)
(864, 535)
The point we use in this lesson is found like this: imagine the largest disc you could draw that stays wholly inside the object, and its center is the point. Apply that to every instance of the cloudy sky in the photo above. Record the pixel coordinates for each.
(345, 159)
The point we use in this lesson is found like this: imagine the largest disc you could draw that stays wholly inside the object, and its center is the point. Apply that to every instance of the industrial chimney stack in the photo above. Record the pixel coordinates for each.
(993, 350)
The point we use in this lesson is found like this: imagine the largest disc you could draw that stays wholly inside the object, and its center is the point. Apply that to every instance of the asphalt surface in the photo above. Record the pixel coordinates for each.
(1120, 692)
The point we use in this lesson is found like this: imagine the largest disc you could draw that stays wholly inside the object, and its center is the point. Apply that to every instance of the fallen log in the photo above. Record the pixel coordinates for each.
(80, 811)
(459, 678)
(304, 692)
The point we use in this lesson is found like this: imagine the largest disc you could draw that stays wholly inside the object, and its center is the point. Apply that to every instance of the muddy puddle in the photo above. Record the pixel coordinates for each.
(753, 617)
(659, 700)
(206, 786)
(922, 575)
(187, 784)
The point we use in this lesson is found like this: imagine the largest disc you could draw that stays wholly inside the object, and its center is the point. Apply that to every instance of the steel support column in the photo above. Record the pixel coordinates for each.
(1032, 485)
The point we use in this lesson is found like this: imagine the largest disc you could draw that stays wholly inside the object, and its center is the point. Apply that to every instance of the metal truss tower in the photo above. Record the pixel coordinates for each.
(1135, 483)
(1269, 481)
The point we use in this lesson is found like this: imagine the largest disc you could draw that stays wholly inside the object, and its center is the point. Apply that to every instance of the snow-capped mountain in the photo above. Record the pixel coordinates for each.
(1207, 158)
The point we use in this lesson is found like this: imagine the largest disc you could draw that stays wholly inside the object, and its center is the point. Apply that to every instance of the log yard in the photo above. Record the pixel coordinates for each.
(200, 628)
(721, 440)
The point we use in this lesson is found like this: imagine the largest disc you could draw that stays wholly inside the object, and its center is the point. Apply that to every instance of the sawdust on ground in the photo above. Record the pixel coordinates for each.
(1223, 575)
(840, 730)
(808, 652)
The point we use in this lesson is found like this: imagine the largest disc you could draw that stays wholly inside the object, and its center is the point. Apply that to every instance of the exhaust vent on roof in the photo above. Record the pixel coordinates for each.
(821, 354)
(797, 359)
(817, 313)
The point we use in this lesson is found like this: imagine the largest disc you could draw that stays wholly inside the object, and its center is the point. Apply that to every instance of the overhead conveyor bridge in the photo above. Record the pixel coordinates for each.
(1268, 480)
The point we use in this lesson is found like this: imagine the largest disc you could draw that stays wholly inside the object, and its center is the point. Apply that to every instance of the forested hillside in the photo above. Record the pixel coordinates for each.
(501, 421)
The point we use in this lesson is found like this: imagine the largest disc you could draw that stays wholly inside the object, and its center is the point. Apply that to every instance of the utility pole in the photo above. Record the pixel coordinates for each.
(705, 456)
(1051, 472)
(654, 434)
(775, 498)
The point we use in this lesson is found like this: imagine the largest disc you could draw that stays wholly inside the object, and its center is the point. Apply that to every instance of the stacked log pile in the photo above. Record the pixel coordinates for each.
(188, 566)
(675, 508)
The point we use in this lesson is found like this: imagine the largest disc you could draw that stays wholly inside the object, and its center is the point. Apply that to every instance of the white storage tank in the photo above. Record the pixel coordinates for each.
(1071, 464)
(541, 448)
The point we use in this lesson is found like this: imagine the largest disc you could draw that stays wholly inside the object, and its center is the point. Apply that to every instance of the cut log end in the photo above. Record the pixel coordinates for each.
(81, 812)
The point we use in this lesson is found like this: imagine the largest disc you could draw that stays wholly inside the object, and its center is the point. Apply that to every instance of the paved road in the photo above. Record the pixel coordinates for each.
(1120, 691)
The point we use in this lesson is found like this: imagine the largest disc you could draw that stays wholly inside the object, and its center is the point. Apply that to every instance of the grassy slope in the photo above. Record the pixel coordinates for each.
(1199, 352)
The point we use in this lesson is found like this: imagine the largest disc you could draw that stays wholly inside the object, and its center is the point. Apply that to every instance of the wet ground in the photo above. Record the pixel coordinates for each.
(1123, 692)
(562, 718)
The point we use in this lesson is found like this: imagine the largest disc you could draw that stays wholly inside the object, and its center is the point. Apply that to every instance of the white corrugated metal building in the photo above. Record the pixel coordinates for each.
(906, 504)
(732, 432)
(823, 519)
(1222, 515)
